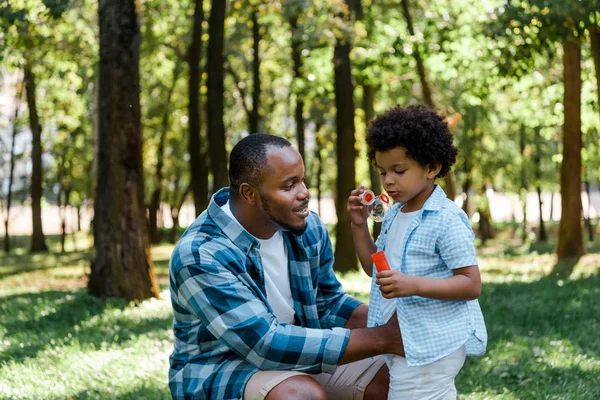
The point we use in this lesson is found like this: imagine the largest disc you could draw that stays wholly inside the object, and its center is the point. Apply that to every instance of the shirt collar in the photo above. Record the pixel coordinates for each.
(436, 200)
(231, 228)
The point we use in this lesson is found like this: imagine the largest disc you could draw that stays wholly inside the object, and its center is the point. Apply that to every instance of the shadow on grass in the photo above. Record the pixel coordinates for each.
(564, 268)
(531, 315)
(36, 321)
(13, 264)
(145, 393)
(534, 247)
(529, 378)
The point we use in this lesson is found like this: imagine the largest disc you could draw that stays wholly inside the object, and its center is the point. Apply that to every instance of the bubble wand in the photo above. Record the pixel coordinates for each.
(379, 204)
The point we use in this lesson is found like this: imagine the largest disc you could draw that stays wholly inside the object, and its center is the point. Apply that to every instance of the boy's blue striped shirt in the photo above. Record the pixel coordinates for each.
(224, 328)
(438, 240)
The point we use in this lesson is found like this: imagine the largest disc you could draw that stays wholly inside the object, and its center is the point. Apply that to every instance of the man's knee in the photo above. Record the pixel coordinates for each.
(299, 387)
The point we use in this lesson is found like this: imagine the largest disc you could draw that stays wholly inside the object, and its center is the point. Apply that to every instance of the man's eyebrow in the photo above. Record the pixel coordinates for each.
(291, 178)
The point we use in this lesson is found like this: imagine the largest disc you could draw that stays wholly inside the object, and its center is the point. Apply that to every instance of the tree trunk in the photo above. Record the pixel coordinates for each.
(551, 206)
(375, 178)
(38, 240)
(63, 219)
(297, 60)
(524, 185)
(175, 213)
(542, 235)
(214, 84)
(78, 218)
(595, 47)
(255, 113)
(570, 235)
(449, 180)
(485, 227)
(319, 162)
(345, 258)
(158, 173)
(198, 157)
(588, 220)
(417, 55)
(467, 188)
(122, 266)
(11, 173)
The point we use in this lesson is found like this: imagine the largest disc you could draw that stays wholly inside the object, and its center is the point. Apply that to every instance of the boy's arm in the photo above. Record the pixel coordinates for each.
(363, 244)
(464, 285)
(457, 250)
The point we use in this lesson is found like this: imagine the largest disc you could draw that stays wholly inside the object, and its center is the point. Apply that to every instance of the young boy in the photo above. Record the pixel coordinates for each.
(434, 279)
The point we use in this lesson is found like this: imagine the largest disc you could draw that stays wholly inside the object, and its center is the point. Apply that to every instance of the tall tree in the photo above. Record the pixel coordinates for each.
(254, 120)
(198, 155)
(345, 257)
(297, 68)
(215, 93)
(537, 160)
(38, 240)
(374, 177)
(11, 167)
(570, 234)
(449, 180)
(122, 267)
(156, 197)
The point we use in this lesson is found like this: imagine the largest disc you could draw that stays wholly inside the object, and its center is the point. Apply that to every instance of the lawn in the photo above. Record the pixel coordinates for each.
(57, 342)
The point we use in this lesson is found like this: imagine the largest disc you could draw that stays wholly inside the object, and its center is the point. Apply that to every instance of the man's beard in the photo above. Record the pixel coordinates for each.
(292, 229)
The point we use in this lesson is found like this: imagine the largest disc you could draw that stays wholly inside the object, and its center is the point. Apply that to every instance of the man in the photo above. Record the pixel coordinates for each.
(258, 311)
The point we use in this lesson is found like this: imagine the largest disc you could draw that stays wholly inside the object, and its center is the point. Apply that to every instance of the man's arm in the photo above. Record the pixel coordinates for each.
(369, 342)
(358, 319)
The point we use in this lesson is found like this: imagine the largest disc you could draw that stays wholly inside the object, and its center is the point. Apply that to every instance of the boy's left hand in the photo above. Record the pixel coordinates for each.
(396, 284)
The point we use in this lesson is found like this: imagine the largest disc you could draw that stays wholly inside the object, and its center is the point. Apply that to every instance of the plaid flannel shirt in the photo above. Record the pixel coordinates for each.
(438, 240)
(224, 327)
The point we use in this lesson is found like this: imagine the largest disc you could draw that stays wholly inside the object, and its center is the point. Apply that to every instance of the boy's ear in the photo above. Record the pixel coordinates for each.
(433, 170)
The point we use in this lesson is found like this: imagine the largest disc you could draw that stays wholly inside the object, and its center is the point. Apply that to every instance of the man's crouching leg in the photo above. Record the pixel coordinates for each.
(283, 385)
(300, 387)
(366, 379)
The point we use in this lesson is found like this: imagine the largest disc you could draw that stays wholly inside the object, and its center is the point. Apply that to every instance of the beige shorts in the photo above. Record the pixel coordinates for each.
(348, 382)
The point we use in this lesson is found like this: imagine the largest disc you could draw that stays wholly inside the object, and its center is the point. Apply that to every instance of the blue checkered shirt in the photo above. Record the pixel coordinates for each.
(224, 327)
(438, 240)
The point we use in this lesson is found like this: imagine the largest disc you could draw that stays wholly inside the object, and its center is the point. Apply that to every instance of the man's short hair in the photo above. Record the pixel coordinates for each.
(248, 159)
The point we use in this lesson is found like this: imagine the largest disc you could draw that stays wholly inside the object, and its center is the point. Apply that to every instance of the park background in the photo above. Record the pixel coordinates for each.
(117, 116)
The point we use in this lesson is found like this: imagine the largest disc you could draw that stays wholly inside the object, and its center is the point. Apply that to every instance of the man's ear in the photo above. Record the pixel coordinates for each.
(433, 170)
(248, 193)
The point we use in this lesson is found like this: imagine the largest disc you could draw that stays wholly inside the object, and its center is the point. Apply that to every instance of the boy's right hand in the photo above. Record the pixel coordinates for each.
(357, 210)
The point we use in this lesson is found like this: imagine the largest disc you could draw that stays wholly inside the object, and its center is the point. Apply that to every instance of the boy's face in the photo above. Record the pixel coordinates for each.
(404, 179)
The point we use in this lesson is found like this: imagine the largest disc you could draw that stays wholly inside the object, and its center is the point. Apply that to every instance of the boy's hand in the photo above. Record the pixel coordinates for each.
(357, 210)
(396, 284)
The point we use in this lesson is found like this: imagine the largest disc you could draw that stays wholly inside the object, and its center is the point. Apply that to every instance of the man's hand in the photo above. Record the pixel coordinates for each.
(396, 284)
(393, 329)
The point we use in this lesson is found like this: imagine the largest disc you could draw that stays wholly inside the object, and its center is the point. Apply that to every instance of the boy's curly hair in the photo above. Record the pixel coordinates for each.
(422, 133)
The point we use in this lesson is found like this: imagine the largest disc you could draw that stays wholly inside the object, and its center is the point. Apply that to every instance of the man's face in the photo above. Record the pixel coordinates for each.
(284, 197)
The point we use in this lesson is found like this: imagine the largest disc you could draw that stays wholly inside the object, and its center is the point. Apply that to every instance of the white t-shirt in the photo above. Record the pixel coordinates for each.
(393, 252)
(277, 278)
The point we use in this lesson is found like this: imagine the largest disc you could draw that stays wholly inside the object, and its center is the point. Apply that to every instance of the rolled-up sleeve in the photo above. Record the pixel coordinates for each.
(236, 316)
(456, 244)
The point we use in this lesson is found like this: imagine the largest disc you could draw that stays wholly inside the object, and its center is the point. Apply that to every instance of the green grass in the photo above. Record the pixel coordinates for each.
(58, 342)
